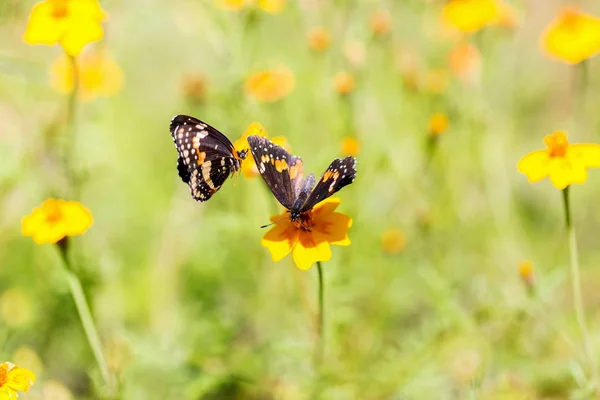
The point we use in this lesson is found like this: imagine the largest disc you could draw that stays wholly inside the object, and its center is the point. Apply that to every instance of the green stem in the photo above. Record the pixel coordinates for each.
(70, 125)
(85, 316)
(321, 316)
(576, 288)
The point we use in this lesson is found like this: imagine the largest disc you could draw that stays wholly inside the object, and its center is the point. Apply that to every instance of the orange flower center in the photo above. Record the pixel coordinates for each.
(3, 376)
(305, 221)
(557, 144)
(571, 19)
(60, 9)
(53, 214)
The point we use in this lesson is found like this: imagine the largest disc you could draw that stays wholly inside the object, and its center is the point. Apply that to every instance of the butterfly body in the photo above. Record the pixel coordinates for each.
(206, 157)
(284, 175)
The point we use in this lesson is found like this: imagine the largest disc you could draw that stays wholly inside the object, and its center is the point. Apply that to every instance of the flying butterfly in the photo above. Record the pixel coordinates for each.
(284, 175)
(206, 157)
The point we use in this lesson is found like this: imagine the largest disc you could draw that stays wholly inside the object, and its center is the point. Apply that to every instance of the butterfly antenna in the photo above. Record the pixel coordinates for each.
(275, 222)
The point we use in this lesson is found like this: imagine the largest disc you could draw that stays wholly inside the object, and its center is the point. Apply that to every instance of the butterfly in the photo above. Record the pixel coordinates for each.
(206, 157)
(283, 172)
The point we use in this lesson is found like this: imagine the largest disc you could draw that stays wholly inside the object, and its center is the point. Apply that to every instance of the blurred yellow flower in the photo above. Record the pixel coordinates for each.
(438, 124)
(380, 22)
(249, 168)
(344, 83)
(308, 246)
(319, 39)
(56, 219)
(465, 62)
(14, 379)
(350, 146)
(564, 163)
(270, 85)
(526, 272)
(98, 75)
(271, 6)
(470, 15)
(393, 241)
(70, 23)
(232, 5)
(573, 36)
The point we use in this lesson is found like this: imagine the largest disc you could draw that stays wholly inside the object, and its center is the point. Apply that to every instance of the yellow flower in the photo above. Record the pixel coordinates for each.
(572, 37)
(270, 85)
(393, 241)
(271, 6)
(508, 16)
(470, 15)
(526, 272)
(319, 39)
(350, 146)
(344, 83)
(56, 219)
(70, 23)
(14, 379)
(98, 74)
(381, 22)
(465, 62)
(194, 87)
(231, 5)
(249, 168)
(438, 124)
(564, 163)
(325, 226)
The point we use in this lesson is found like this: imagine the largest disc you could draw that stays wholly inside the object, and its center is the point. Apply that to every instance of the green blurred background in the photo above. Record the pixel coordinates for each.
(187, 302)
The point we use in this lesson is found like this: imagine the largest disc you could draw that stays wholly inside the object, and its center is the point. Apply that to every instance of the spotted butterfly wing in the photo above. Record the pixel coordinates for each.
(281, 170)
(206, 157)
(341, 172)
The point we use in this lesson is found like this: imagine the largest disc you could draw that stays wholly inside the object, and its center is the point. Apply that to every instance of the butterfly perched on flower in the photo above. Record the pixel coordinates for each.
(206, 157)
(284, 174)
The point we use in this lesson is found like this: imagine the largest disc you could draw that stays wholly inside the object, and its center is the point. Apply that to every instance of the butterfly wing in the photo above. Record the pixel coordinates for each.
(339, 174)
(206, 156)
(281, 170)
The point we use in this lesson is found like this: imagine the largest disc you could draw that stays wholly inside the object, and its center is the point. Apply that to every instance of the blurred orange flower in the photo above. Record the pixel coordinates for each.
(380, 22)
(507, 17)
(70, 23)
(14, 379)
(249, 168)
(326, 226)
(194, 87)
(438, 124)
(465, 62)
(56, 219)
(469, 16)
(271, 85)
(526, 272)
(319, 39)
(350, 146)
(573, 36)
(564, 163)
(393, 241)
(344, 83)
(98, 75)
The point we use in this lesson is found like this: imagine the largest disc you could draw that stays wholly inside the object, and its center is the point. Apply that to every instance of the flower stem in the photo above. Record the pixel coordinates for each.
(320, 317)
(576, 288)
(85, 316)
(70, 126)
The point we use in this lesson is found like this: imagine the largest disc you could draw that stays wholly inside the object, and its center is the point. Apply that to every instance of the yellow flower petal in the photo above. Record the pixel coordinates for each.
(325, 207)
(249, 168)
(535, 165)
(586, 154)
(562, 172)
(572, 36)
(72, 23)
(334, 228)
(20, 379)
(271, 85)
(271, 6)
(309, 249)
(281, 239)
(350, 146)
(470, 15)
